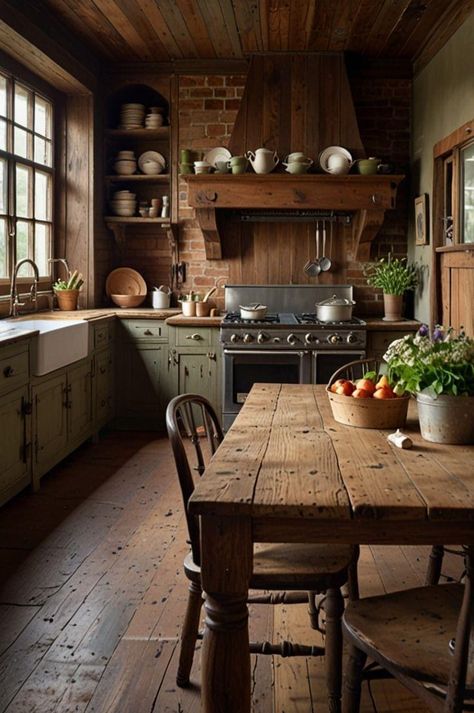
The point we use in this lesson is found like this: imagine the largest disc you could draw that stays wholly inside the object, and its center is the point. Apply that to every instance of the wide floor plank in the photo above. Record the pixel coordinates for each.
(92, 595)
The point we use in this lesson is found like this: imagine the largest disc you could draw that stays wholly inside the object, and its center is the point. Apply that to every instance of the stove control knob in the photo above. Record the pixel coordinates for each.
(248, 338)
(234, 338)
(311, 338)
(276, 340)
(334, 338)
(262, 337)
(351, 338)
(292, 339)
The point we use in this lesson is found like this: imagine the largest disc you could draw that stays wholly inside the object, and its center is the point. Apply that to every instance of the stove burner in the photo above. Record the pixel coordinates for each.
(311, 318)
(235, 318)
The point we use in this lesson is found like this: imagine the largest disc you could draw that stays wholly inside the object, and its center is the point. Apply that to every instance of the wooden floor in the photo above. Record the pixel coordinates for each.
(92, 595)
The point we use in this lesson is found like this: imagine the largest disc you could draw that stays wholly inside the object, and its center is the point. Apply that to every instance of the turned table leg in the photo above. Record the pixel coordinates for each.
(226, 568)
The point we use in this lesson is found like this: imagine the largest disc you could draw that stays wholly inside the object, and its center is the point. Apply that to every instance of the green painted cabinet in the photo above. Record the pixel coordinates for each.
(14, 443)
(103, 385)
(142, 378)
(196, 363)
(79, 402)
(49, 402)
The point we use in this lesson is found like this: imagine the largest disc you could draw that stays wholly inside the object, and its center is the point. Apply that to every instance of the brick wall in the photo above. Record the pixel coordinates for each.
(207, 110)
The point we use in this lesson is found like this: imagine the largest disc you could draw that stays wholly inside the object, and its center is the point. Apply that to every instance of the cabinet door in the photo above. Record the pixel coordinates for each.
(104, 387)
(140, 367)
(14, 436)
(79, 402)
(49, 423)
(197, 374)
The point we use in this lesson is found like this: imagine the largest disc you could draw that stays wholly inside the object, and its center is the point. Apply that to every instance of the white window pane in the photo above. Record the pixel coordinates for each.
(3, 186)
(23, 246)
(22, 106)
(23, 182)
(3, 96)
(42, 248)
(43, 115)
(3, 248)
(21, 143)
(42, 151)
(42, 196)
(468, 202)
(3, 135)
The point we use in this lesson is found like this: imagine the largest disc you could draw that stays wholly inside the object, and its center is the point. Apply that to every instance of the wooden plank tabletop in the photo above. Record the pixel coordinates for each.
(285, 457)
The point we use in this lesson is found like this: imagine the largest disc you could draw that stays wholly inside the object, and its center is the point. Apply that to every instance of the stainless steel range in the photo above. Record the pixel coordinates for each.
(290, 345)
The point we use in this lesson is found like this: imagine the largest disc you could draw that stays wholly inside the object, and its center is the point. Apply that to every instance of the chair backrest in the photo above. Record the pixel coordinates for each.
(457, 692)
(195, 434)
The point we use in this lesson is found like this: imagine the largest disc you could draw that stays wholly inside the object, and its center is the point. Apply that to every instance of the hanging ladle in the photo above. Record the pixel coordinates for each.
(314, 268)
(324, 262)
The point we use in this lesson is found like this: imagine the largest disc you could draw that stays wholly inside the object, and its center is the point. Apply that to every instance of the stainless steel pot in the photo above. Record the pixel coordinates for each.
(335, 309)
(254, 311)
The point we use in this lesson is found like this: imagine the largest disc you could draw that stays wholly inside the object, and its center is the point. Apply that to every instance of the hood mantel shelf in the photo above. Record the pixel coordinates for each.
(367, 197)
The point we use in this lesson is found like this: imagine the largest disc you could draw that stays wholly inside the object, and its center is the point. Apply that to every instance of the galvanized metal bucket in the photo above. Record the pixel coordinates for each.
(447, 419)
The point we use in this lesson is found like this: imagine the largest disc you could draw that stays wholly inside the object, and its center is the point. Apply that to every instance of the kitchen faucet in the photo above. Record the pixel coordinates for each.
(14, 297)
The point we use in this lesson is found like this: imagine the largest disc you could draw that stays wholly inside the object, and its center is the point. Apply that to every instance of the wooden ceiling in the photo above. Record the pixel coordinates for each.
(163, 30)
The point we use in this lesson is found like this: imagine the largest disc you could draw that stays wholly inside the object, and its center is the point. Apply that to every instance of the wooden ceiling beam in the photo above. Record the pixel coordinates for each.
(183, 66)
(454, 16)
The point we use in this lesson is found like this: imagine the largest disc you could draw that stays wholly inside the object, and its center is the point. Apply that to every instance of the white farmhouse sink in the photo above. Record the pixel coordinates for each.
(59, 342)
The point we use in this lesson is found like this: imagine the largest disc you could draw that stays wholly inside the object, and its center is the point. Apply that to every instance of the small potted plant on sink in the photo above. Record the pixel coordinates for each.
(394, 276)
(437, 368)
(67, 292)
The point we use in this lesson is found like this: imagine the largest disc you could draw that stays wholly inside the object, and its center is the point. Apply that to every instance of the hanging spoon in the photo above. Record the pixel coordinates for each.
(314, 268)
(325, 262)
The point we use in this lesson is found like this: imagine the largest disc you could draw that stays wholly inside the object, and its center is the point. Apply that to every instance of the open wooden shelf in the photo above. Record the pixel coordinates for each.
(366, 198)
(140, 178)
(161, 133)
(135, 220)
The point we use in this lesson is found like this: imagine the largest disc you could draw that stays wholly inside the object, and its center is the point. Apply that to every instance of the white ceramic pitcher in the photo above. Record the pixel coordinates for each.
(263, 160)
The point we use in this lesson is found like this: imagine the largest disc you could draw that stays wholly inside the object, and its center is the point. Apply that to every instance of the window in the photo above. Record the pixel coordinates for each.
(467, 200)
(26, 177)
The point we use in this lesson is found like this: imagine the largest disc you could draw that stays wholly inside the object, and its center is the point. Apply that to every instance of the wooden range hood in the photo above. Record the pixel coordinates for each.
(294, 103)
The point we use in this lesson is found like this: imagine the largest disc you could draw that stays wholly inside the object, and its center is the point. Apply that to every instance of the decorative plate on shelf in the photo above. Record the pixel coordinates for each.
(218, 154)
(151, 156)
(325, 155)
(125, 281)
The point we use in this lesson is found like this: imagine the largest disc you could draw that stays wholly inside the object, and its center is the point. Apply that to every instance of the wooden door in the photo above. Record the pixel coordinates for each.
(138, 385)
(14, 437)
(79, 403)
(457, 289)
(49, 422)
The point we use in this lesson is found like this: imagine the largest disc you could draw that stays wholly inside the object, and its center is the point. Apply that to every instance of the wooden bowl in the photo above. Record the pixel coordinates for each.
(127, 301)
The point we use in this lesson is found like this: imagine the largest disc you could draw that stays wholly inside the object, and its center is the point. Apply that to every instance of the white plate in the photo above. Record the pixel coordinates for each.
(330, 151)
(153, 156)
(218, 154)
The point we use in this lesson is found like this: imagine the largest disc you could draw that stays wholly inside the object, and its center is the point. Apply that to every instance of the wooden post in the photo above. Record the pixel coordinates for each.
(225, 580)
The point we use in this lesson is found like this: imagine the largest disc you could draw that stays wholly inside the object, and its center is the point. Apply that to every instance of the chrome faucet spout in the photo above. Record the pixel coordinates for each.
(14, 297)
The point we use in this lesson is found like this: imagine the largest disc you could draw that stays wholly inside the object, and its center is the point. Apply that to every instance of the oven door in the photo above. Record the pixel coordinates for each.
(243, 368)
(326, 363)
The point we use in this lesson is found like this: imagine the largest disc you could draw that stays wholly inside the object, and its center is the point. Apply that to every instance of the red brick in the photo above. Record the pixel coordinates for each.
(232, 104)
(216, 130)
(235, 81)
(225, 92)
(216, 104)
(188, 104)
(200, 92)
(215, 81)
(189, 81)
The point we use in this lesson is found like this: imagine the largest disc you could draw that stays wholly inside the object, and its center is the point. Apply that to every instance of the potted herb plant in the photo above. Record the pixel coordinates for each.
(438, 368)
(394, 276)
(67, 293)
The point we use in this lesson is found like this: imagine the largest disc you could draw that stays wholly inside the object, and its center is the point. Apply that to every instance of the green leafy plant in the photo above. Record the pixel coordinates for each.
(438, 363)
(74, 282)
(392, 275)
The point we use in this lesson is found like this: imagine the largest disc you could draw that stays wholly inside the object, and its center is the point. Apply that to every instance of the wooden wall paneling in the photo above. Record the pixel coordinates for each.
(298, 102)
(312, 137)
(457, 288)
(331, 103)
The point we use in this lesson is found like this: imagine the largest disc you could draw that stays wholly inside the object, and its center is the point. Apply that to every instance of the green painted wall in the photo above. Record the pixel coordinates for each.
(443, 99)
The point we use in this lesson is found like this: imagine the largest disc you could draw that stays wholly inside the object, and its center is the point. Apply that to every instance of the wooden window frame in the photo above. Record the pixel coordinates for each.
(16, 74)
(447, 152)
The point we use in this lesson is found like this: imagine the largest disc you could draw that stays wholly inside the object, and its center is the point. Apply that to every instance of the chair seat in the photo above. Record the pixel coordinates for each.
(293, 566)
(409, 631)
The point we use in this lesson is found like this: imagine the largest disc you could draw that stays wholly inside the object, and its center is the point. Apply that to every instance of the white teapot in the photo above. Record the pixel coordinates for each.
(338, 164)
(263, 160)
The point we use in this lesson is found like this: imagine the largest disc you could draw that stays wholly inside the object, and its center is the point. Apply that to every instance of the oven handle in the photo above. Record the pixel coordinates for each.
(264, 351)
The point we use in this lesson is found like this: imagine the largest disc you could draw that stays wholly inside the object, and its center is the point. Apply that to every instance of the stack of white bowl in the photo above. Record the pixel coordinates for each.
(123, 203)
(154, 118)
(132, 116)
(125, 163)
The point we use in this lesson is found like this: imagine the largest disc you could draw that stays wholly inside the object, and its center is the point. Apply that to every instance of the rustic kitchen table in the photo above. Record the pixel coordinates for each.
(287, 472)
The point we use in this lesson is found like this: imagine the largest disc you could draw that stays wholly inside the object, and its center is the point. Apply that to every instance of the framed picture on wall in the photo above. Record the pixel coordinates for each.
(421, 219)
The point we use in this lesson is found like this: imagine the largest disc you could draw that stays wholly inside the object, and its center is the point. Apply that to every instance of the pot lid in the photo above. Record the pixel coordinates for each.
(335, 301)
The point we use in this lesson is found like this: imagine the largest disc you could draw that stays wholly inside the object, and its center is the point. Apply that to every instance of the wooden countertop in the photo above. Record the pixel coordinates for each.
(103, 313)
(377, 324)
(180, 321)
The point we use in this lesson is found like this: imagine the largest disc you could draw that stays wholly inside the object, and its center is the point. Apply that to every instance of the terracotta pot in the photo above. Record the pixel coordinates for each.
(67, 299)
(393, 307)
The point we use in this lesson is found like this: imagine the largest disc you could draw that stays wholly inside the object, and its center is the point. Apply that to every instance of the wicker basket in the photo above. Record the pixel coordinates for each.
(365, 413)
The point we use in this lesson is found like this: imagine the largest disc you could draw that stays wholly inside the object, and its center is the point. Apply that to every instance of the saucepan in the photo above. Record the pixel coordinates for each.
(253, 311)
(335, 309)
